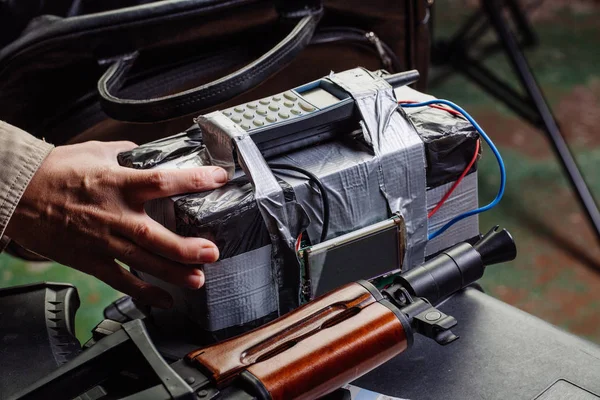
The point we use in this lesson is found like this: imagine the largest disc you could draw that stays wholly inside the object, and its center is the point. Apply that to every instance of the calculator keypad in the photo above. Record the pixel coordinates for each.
(258, 114)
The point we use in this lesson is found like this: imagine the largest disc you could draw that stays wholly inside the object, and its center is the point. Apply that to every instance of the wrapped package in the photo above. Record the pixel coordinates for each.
(404, 163)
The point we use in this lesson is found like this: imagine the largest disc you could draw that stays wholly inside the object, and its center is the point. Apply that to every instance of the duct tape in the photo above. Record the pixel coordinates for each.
(284, 220)
(218, 135)
(399, 151)
(464, 198)
(349, 175)
(238, 290)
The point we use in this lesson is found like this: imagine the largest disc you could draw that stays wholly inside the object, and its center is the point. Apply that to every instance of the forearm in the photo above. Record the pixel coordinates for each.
(20, 157)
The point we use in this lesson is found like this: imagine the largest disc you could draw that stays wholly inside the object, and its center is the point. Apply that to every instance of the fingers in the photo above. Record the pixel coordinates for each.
(169, 271)
(123, 281)
(142, 186)
(154, 237)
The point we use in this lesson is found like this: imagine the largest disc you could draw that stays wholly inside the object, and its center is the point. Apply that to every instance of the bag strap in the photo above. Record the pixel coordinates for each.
(207, 95)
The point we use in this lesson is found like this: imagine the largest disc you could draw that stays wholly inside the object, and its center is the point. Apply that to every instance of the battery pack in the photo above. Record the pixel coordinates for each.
(257, 277)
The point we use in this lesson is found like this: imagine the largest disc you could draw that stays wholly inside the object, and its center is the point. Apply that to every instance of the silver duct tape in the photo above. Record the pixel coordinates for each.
(220, 131)
(283, 220)
(464, 198)
(399, 151)
(350, 177)
(237, 290)
(219, 134)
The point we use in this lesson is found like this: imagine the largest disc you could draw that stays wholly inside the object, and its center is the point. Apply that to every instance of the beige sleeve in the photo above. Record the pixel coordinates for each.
(20, 157)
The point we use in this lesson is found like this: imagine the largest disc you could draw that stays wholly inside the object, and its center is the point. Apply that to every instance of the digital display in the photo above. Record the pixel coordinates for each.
(320, 98)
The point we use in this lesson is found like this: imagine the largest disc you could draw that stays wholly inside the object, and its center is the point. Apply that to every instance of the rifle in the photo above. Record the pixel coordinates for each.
(306, 354)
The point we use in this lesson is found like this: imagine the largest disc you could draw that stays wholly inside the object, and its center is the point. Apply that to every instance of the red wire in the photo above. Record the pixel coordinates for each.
(451, 111)
(460, 178)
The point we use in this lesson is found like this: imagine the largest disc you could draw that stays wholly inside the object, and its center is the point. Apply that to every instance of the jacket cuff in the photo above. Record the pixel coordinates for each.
(21, 154)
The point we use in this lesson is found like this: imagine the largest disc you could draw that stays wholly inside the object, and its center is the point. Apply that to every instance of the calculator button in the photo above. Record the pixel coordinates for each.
(290, 96)
(295, 111)
(248, 115)
(284, 115)
(258, 122)
(271, 118)
(264, 102)
(227, 113)
(277, 98)
(274, 107)
(245, 126)
(239, 109)
(306, 107)
(252, 105)
(236, 119)
(261, 111)
(288, 104)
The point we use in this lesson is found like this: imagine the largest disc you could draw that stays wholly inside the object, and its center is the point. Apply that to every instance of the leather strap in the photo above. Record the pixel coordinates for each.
(207, 95)
(297, 8)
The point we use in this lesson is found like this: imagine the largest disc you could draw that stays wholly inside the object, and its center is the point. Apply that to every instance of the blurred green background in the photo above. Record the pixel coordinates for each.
(557, 273)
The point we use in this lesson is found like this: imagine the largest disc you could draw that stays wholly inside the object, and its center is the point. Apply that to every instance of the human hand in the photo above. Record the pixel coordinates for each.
(85, 211)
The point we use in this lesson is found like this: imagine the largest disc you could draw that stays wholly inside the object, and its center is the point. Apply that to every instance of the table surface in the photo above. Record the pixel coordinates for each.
(502, 353)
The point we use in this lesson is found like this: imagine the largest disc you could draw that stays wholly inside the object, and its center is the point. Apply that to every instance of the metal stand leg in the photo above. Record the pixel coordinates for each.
(532, 107)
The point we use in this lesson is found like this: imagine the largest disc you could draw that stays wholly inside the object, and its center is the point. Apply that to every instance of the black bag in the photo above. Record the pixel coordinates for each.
(94, 71)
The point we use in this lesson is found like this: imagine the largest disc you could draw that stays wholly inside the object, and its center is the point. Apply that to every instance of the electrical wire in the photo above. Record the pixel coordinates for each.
(464, 173)
(492, 147)
(460, 178)
(449, 110)
(312, 177)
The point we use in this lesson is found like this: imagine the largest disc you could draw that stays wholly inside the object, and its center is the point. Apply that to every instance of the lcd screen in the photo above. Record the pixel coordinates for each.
(320, 98)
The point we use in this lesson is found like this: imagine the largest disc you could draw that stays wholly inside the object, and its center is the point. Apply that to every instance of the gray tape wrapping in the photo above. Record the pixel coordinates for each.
(399, 152)
(349, 175)
(463, 198)
(237, 290)
(283, 220)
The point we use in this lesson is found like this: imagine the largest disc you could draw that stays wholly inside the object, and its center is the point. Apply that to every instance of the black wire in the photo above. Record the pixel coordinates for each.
(312, 177)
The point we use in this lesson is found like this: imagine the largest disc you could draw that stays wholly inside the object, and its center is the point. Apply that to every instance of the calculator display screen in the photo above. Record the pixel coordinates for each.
(320, 98)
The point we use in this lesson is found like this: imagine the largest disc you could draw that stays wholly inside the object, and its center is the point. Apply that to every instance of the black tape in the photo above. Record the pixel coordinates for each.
(450, 142)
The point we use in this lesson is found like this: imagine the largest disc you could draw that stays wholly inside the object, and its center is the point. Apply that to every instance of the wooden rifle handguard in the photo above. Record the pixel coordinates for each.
(313, 350)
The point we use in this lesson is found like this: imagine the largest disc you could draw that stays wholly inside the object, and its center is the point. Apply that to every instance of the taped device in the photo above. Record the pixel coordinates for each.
(378, 164)
(302, 116)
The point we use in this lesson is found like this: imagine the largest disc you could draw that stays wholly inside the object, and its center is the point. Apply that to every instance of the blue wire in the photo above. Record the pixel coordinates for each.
(494, 150)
